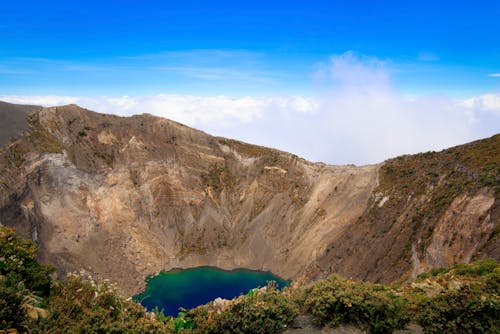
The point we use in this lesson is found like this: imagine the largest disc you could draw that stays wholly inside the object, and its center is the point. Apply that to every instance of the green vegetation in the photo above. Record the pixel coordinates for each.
(18, 259)
(24, 283)
(467, 310)
(260, 311)
(374, 307)
(244, 148)
(461, 299)
(31, 302)
(433, 181)
(449, 172)
(84, 306)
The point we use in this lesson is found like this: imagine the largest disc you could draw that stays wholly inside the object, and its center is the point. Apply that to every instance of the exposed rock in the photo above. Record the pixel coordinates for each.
(124, 198)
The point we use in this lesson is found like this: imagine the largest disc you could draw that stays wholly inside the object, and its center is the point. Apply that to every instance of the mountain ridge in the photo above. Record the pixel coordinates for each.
(123, 198)
(15, 116)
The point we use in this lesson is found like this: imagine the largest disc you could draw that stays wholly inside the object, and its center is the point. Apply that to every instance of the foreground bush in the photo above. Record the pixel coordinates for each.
(465, 299)
(461, 299)
(467, 310)
(12, 314)
(18, 257)
(336, 301)
(31, 302)
(24, 283)
(83, 306)
(260, 311)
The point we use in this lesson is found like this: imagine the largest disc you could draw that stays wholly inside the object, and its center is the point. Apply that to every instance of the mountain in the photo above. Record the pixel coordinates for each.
(13, 118)
(123, 198)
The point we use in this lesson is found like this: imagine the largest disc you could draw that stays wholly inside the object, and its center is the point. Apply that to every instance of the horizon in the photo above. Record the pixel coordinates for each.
(338, 82)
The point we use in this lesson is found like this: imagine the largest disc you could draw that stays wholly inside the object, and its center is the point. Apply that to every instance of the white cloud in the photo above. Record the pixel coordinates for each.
(486, 102)
(357, 116)
(367, 120)
(201, 111)
(42, 100)
(494, 75)
(350, 71)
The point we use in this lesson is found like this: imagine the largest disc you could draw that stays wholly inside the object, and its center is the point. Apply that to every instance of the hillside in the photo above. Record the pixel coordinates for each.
(13, 118)
(429, 210)
(123, 198)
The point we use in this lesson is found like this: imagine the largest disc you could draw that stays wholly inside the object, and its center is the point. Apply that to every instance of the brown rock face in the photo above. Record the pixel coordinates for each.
(123, 198)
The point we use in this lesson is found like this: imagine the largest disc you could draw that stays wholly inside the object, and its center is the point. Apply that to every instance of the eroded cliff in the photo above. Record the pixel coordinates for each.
(123, 198)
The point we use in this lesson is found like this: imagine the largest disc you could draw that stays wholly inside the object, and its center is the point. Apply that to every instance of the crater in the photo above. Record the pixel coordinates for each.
(188, 288)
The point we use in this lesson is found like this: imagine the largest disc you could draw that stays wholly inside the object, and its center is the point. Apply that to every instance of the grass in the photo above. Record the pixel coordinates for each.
(433, 180)
(244, 148)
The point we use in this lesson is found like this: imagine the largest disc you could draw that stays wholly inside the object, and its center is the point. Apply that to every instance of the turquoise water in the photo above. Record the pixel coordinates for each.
(188, 288)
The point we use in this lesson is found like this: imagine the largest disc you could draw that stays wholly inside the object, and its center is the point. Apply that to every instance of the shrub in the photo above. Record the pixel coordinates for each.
(23, 281)
(335, 301)
(470, 305)
(478, 268)
(12, 314)
(261, 311)
(467, 310)
(83, 306)
(182, 322)
(74, 306)
(18, 256)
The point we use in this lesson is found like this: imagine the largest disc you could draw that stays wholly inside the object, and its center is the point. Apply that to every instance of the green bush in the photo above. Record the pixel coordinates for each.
(18, 256)
(23, 280)
(183, 322)
(73, 306)
(335, 301)
(478, 268)
(433, 273)
(258, 312)
(462, 299)
(467, 310)
(12, 291)
(84, 306)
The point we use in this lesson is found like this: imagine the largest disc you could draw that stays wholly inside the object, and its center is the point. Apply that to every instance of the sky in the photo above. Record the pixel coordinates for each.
(335, 81)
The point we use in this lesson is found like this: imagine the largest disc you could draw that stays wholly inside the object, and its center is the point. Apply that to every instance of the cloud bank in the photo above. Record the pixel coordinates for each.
(357, 115)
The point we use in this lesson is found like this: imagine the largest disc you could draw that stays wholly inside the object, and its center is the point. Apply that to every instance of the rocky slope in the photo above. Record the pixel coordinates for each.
(123, 198)
(13, 118)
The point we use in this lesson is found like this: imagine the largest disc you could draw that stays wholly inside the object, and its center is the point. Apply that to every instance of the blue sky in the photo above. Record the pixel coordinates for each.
(271, 52)
(432, 46)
